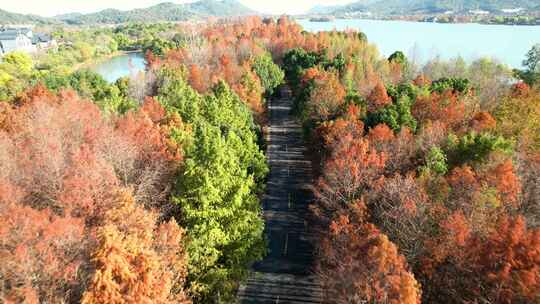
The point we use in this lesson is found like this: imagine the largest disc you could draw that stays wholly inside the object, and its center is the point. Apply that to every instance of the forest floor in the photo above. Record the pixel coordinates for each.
(285, 274)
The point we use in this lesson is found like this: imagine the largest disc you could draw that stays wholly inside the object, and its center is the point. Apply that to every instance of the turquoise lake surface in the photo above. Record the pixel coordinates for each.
(423, 41)
(120, 66)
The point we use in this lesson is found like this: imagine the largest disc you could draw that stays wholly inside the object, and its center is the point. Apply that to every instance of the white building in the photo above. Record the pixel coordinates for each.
(513, 10)
(478, 12)
(22, 39)
(16, 39)
(43, 41)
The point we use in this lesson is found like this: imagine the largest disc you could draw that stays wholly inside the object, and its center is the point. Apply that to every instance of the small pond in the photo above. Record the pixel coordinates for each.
(120, 66)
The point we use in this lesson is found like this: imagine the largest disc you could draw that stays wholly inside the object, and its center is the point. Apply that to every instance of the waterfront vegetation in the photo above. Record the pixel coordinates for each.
(148, 189)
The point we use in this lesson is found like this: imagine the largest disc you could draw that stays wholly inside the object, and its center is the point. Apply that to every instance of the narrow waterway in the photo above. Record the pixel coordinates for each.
(284, 276)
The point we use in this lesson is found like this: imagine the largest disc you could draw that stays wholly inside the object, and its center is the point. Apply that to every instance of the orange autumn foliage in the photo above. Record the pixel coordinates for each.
(61, 163)
(509, 262)
(447, 108)
(520, 89)
(326, 98)
(359, 264)
(378, 98)
(196, 79)
(483, 121)
(41, 252)
(135, 261)
(501, 268)
(346, 174)
(503, 178)
(381, 133)
(340, 133)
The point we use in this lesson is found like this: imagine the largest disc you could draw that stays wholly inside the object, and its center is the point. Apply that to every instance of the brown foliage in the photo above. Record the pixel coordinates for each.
(136, 262)
(520, 89)
(422, 81)
(447, 108)
(503, 178)
(503, 267)
(340, 133)
(483, 121)
(61, 163)
(398, 206)
(41, 252)
(326, 98)
(528, 170)
(346, 174)
(378, 98)
(381, 133)
(509, 261)
(432, 134)
(358, 264)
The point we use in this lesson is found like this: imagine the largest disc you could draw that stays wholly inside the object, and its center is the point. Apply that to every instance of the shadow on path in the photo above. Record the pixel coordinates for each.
(284, 275)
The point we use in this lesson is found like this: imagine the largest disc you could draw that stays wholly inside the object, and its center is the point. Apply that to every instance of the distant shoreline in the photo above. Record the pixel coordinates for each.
(333, 19)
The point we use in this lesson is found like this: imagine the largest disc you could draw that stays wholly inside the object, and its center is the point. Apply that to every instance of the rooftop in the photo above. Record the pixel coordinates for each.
(11, 34)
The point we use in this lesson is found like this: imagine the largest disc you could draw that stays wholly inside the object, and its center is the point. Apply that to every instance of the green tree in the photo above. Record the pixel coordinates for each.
(17, 63)
(158, 46)
(217, 191)
(110, 97)
(475, 147)
(435, 161)
(395, 115)
(532, 60)
(460, 85)
(4, 78)
(270, 73)
(16, 70)
(398, 57)
(531, 74)
(296, 61)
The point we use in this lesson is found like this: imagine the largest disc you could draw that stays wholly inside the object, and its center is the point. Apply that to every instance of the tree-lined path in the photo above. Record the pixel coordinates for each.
(284, 275)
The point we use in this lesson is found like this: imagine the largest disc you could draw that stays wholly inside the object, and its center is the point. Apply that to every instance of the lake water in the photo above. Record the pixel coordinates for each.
(120, 66)
(423, 41)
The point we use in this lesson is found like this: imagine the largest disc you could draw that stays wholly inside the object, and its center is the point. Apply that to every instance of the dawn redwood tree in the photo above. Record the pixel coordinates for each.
(42, 253)
(447, 108)
(196, 79)
(336, 135)
(509, 263)
(250, 90)
(500, 267)
(520, 89)
(518, 117)
(398, 207)
(358, 264)
(431, 134)
(381, 133)
(156, 158)
(61, 163)
(378, 98)
(482, 121)
(503, 178)
(399, 149)
(422, 80)
(137, 261)
(346, 175)
(326, 98)
(528, 170)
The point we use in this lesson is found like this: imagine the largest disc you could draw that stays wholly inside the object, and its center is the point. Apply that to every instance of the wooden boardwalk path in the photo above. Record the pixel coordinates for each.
(284, 276)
